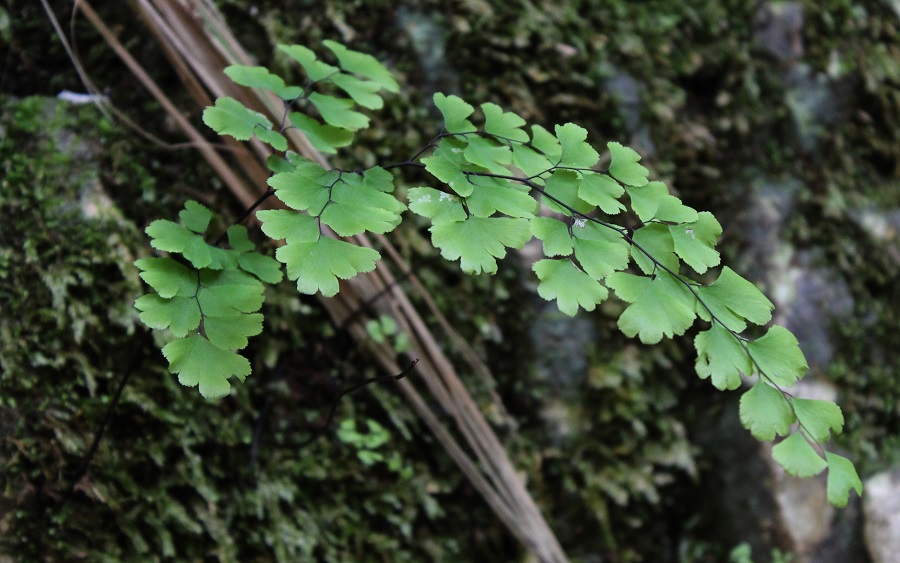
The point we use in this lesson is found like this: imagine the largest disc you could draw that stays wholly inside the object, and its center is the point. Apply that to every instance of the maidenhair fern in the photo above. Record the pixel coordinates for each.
(497, 186)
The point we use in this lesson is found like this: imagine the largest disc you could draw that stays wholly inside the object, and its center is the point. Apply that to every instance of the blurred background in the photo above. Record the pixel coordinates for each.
(782, 118)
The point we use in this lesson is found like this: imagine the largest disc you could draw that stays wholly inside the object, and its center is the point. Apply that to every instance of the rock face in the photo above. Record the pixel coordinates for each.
(881, 508)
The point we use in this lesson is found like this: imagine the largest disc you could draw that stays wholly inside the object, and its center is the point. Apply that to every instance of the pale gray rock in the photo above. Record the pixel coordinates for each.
(881, 509)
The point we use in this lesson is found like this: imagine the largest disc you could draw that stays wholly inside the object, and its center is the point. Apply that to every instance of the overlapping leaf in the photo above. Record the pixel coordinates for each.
(602, 191)
(721, 356)
(479, 241)
(168, 277)
(198, 362)
(575, 151)
(765, 411)
(325, 138)
(503, 197)
(358, 203)
(653, 202)
(488, 154)
(842, 477)
(554, 234)
(229, 117)
(338, 112)
(797, 456)
(181, 315)
(506, 125)
(438, 206)
(260, 77)
(599, 250)
(778, 355)
(305, 188)
(659, 306)
(456, 113)
(653, 245)
(315, 69)
(695, 242)
(624, 166)
(561, 193)
(317, 266)
(364, 65)
(448, 163)
(734, 301)
(568, 285)
(818, 417)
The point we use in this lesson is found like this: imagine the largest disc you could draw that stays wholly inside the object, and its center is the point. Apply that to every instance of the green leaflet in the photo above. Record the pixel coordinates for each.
(364, 93)
(231, 332)
(561, 193)
(659, 307)
(502, 197)
(554, 234)
(305, 188)
(530, 161)
(316, 70)
(654, 240)
(263, 267)
(195, 217)
(338, 112)
(172, 237)
(721, 356)
(288, 225)
(230, 117)
(479, 241)
(228, 293)
(325, 138)
(364, 65)
(602, 191)
(239, 239)
(349, 203)
(354, 209)
(456, 113)
(625, 168)
(765, 412)
(260, 77)
(181, 315)
(842, 477)
(506, 125)
(547, 143)
(575, 152)
(734, 300)
(199, 362)
(447, 163)
(167, 277)
(318, 265)
(488, 154)
(778, 355)
(819, 418)
(695, 242)
(571, 287)
(438, 206)
(798, 457)
(599, 250)
(652, 202)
